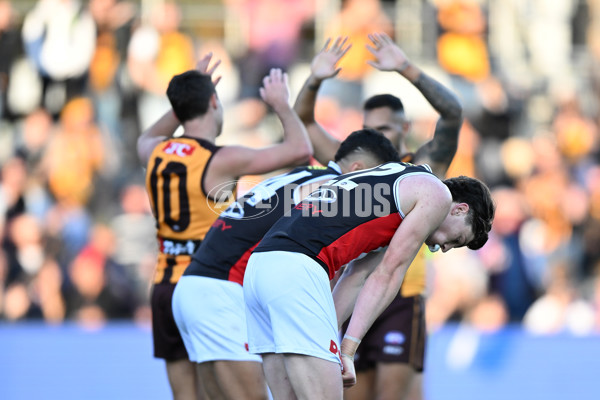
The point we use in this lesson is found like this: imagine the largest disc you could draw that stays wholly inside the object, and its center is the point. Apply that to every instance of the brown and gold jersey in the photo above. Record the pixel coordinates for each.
(184, 212)
(414, 280)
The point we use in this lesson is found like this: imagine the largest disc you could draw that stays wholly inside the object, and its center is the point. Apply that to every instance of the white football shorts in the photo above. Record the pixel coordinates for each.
(289, 306)
(211, 319)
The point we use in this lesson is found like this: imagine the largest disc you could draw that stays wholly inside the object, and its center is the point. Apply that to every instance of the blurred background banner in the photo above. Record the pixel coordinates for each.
(69, 362)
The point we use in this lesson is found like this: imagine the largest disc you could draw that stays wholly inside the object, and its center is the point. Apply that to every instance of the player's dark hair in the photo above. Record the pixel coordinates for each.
(371, 141)
(383, 100)
(481, 206)
(189, 94)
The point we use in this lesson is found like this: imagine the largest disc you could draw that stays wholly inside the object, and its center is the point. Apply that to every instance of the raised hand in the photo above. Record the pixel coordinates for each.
(324, 63)
(275, 91)
(202, 67)
(389, 57)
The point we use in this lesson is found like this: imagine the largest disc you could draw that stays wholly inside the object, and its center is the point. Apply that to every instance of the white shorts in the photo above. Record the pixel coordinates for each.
(289, 306)
(210, 316)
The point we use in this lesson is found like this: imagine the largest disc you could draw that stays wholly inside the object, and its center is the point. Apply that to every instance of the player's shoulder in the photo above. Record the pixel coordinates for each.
(424, 184)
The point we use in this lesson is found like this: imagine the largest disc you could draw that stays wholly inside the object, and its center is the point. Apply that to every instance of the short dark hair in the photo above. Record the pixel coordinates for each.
(189, 94)
(481, 206)
(383, 100)
(371, 141)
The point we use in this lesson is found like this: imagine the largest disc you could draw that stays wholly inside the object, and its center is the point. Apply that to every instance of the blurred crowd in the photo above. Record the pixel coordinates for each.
(80, 80)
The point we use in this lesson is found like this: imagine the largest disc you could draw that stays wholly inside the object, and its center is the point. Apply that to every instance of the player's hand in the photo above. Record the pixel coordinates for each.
(275, 91)
(348, 372)
(202, 67)
(324, 63)
(389, 57)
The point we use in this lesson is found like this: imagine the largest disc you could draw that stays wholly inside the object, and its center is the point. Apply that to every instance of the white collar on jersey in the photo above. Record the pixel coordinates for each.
(333, 165)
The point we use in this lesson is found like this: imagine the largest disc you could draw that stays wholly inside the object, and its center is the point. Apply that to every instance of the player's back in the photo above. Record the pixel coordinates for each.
(183, 210)
(353, 214)
(226, 248)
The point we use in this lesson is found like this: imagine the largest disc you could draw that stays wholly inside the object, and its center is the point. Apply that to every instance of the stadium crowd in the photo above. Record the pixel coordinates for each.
(79, 82)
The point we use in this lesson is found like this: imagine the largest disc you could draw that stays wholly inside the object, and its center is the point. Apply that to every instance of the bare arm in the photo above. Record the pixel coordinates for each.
(438, 152)
(232, 162)
(352, 280)
(428, 203)
(159, 131)
(168, 123)
(323, 67)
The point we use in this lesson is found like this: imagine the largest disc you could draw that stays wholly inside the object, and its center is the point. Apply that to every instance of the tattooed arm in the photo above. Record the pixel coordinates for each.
(440, 150)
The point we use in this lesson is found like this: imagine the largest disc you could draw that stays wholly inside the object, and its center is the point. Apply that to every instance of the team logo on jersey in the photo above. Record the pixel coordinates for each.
(179, 149)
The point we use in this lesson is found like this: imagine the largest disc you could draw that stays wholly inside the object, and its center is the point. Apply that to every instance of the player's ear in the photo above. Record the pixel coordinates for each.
(357, 166)
(460, 209)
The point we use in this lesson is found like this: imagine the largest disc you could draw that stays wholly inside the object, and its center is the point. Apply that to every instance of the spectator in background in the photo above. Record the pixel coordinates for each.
(60, 38)
(270, 31)
(357, 20)
(33, 137)
(75, 154)
(10, 49)
(461, 46)
(114, 20)
(99, 288)
(158, 50)
(135, 240)
(511, 278)
(46, 292)
(24, 256)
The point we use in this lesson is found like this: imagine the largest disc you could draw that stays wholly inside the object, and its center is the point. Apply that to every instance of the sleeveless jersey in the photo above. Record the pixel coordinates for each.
(227, 246)
(352, 214)
(183, 211)
(414, 280)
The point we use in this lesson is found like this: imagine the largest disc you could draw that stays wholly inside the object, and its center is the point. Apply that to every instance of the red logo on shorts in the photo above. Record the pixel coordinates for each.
(333, 347)
(246, 346)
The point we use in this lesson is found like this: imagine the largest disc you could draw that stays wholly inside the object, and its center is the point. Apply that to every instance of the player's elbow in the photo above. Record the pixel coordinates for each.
(301, 154)
(454, 112)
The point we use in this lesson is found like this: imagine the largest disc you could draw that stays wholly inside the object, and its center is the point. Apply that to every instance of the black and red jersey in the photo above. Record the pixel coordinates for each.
(226, 247)
(352, 214)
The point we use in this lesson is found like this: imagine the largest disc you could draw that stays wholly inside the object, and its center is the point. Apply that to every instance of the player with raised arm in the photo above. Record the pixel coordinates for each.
(190, 180)
(390, 361)
(208, 303)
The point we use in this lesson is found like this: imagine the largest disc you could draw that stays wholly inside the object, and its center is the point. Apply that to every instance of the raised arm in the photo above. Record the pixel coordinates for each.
(426, 203)
(322, 67)
(439, 151)
(166, 126)
(232, 162)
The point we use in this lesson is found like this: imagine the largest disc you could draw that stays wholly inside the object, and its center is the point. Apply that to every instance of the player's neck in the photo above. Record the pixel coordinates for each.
(203, 127)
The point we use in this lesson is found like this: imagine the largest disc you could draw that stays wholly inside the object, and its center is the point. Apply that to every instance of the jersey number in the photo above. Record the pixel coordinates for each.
(165, 210)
